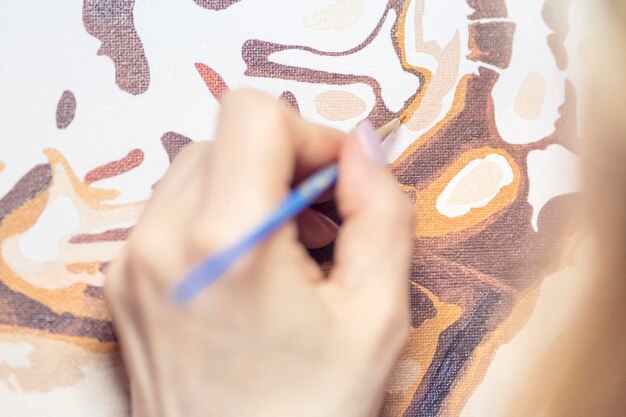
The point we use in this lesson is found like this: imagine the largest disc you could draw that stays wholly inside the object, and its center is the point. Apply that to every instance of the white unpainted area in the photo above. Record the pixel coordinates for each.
(46, 50)
(40, 243)
(15, 354)
(551, 173)
(531, 53)
(457, 210)
(443, 19)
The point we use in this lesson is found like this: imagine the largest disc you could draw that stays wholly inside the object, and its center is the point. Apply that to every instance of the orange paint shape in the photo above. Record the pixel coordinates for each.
(424, 351)
(412, 107)
(111, 169)
(431, 223)
(216, 84)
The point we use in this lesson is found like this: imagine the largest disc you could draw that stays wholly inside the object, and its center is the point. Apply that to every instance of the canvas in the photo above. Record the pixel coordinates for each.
(98, 96)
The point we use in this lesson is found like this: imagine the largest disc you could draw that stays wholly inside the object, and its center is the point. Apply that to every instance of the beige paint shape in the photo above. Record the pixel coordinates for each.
(444, 77)
(530, 97)
(48, 364)
(337, 105)
(482, 182)
(338, 16)
(476, 185)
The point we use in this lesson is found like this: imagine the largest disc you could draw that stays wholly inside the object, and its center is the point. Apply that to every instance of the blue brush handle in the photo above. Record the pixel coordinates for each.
(213, 267)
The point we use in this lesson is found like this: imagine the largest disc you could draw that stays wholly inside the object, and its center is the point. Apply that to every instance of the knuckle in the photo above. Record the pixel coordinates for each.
(245, 97)
(117, 291)
(112, 284)
(400, 208)
(142, 250)
(205, 240)
(254, 102)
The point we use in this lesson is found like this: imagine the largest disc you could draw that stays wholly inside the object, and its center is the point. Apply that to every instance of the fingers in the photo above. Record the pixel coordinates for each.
(315, 229)
(179, 175)
(374, 245)
(261, 148)
(158, 239)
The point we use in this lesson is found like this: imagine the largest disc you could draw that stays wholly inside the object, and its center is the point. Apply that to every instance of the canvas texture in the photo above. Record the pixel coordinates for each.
(98, 96)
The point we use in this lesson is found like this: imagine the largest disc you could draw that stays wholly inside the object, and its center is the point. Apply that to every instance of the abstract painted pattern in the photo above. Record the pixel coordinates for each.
(103, 94)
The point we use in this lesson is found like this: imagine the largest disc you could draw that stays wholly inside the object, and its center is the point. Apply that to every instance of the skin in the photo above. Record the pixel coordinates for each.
(273, 336)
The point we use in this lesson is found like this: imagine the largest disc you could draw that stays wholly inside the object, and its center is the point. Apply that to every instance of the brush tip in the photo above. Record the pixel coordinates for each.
(388, 128)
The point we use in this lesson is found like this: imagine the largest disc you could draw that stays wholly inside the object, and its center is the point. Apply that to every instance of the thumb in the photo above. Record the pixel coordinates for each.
(374, 245)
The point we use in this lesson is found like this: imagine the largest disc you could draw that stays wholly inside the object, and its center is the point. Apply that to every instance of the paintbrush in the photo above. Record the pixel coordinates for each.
(299, 199)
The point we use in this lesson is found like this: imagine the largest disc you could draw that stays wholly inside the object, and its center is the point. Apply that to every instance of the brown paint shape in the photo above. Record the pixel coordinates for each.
(103, 267)
(30, 185)
(288, 98)
(565, 133)
(216, 4)
(556, 15)
(111, 169)
(256, 54)
(216, 84)
(484, 290)
(173, 143)
(112, 23)
(112, 235)
(66, 109)
(500, 255)
(469, 127)
(18, 310)
(94, 292)
(486, 43)
(488, 9)
(476, 285)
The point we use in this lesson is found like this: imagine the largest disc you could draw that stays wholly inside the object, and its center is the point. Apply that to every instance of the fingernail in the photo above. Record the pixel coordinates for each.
(370, 140)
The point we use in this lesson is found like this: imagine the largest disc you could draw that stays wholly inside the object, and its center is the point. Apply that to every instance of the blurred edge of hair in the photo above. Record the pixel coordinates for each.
(584, 372)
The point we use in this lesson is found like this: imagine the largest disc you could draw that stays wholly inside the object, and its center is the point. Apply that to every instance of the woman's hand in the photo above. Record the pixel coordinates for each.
(273, 336)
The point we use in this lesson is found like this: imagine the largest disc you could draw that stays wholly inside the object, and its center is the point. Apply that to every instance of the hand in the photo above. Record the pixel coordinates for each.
(273, 336)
